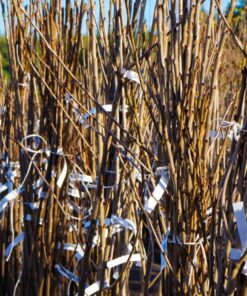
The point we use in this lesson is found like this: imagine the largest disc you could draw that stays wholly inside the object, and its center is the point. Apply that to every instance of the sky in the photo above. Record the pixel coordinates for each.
(148, 13)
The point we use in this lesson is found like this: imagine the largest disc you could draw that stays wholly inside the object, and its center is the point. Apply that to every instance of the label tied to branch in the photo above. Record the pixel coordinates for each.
(80, 178)
(3, 187)
(63, 175)
(66, 273)
(73, 247)
(164, 247)
(131, 75)
(14, 243)
(83, 119)
(239, 213)
(38, 183)
(123, 259)
(234, 132)
(94, 288)
(158, 192)
(117, 222)
(9, 197)
(75, 193)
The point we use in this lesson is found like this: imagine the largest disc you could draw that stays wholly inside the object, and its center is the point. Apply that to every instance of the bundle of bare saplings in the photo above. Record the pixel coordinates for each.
(123, 149)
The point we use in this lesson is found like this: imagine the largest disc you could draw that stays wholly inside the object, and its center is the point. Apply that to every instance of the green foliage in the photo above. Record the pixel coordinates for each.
(240, 9)
(5, 56)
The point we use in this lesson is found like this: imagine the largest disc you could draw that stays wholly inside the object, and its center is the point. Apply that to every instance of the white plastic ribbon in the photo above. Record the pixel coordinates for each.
(107, 222)
(239, 213)
(63, 174)
(81, 178)
(83, 119)
(236, 129)
(10, 178)
(234, 133)
(75, 193)
(94, 186)
(73, 247)
(118, 222)
(126, 223)
(28, 149)
(3, 187)
(41, 194)
(33, 205)
(123, 259)
(94, 288)
(66, 273)
(38, 183)
(68, 98)
(138, 176)
(37, 186)
(218, 134)
(159, 190)
(10, 196)
(14, 243)
(160, 170)
(48, 151)
(164, 247)
(131, 75)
